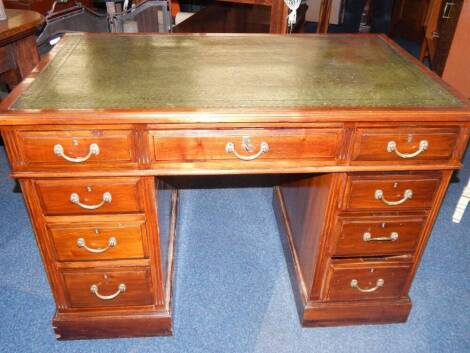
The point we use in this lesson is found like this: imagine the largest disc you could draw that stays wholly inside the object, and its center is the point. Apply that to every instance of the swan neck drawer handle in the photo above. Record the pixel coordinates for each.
(392, 147)
(112, 242)
(75, 199)
(355, 284)
(263, 148)
(94, 151)
(368, 237)
(379, 195)
(95, 290)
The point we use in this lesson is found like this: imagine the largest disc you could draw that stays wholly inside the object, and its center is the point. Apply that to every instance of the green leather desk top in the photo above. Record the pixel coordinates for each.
(238, 71)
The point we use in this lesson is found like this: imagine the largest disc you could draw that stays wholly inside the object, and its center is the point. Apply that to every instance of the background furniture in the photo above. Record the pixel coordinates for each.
(361, 184)
(42, 6)
(454, 65)
(18, 51)
(408, 19)
(225, 17)
(445, 43)
(228, 17)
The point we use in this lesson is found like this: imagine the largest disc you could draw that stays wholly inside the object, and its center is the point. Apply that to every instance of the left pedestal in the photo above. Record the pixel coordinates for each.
(107, 245)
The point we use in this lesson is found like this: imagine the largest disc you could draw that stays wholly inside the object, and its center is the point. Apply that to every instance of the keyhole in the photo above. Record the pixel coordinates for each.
(371, 270)
(97, 231)
(74, 141)
(410, 138)
(89, 188)
(105, 276)
(383, 225)
(395, 185)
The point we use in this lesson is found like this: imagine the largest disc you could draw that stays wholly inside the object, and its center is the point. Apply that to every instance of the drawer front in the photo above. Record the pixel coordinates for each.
(378, 235)
(391, 191)
(108, 287)
(76, 148)
(362, 280)
(98, 240)
(407, 145)
(89, 196)
(244, 145)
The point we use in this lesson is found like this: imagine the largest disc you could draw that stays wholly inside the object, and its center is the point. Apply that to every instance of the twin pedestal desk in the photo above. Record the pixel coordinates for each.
(363, 137)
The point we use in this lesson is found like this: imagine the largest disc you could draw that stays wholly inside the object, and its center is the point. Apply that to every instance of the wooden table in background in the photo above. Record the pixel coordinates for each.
(18, 51)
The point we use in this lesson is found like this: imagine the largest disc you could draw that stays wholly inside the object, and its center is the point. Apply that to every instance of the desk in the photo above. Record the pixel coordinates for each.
(364, 138)
(18, 51)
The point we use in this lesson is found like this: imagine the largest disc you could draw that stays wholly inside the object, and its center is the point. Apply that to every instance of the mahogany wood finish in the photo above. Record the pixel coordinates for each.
(116, 148)
(341, 273)
(130, 239)
(361, 190)
(209, 145)
(55, 195)
(137, 281)
(369, 144)
(351, 234)
(17, 43)
(352, 255)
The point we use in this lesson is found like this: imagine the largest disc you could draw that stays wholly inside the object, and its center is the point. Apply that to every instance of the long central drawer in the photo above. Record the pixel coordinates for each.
(245, 145)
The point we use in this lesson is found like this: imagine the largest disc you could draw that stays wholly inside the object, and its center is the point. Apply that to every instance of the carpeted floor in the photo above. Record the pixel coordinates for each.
(233, 292)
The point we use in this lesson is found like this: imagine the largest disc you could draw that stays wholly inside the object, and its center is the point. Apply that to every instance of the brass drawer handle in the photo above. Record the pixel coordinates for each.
(379, 195)
(355, 284)
(368, 237)
(392, 147)
(94, 289)
(94, 151)
(230, 148)
(112, 242)
(75, 199)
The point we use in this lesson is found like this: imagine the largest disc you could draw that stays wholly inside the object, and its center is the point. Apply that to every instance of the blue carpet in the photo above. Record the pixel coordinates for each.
(233, 292)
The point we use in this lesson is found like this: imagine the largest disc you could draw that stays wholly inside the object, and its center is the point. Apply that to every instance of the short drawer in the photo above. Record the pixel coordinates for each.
(116, 239)
(390, 191)
(377, 235)
(108, 287)
(84, 149)
(366, 280)
(406, 145)
(89, 196)
(244, 145)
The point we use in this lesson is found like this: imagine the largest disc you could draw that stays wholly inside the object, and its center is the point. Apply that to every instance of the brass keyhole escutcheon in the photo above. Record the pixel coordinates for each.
(383, 225)
(89, 188)
(246, 144)
(74, 141)
(395, 185)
